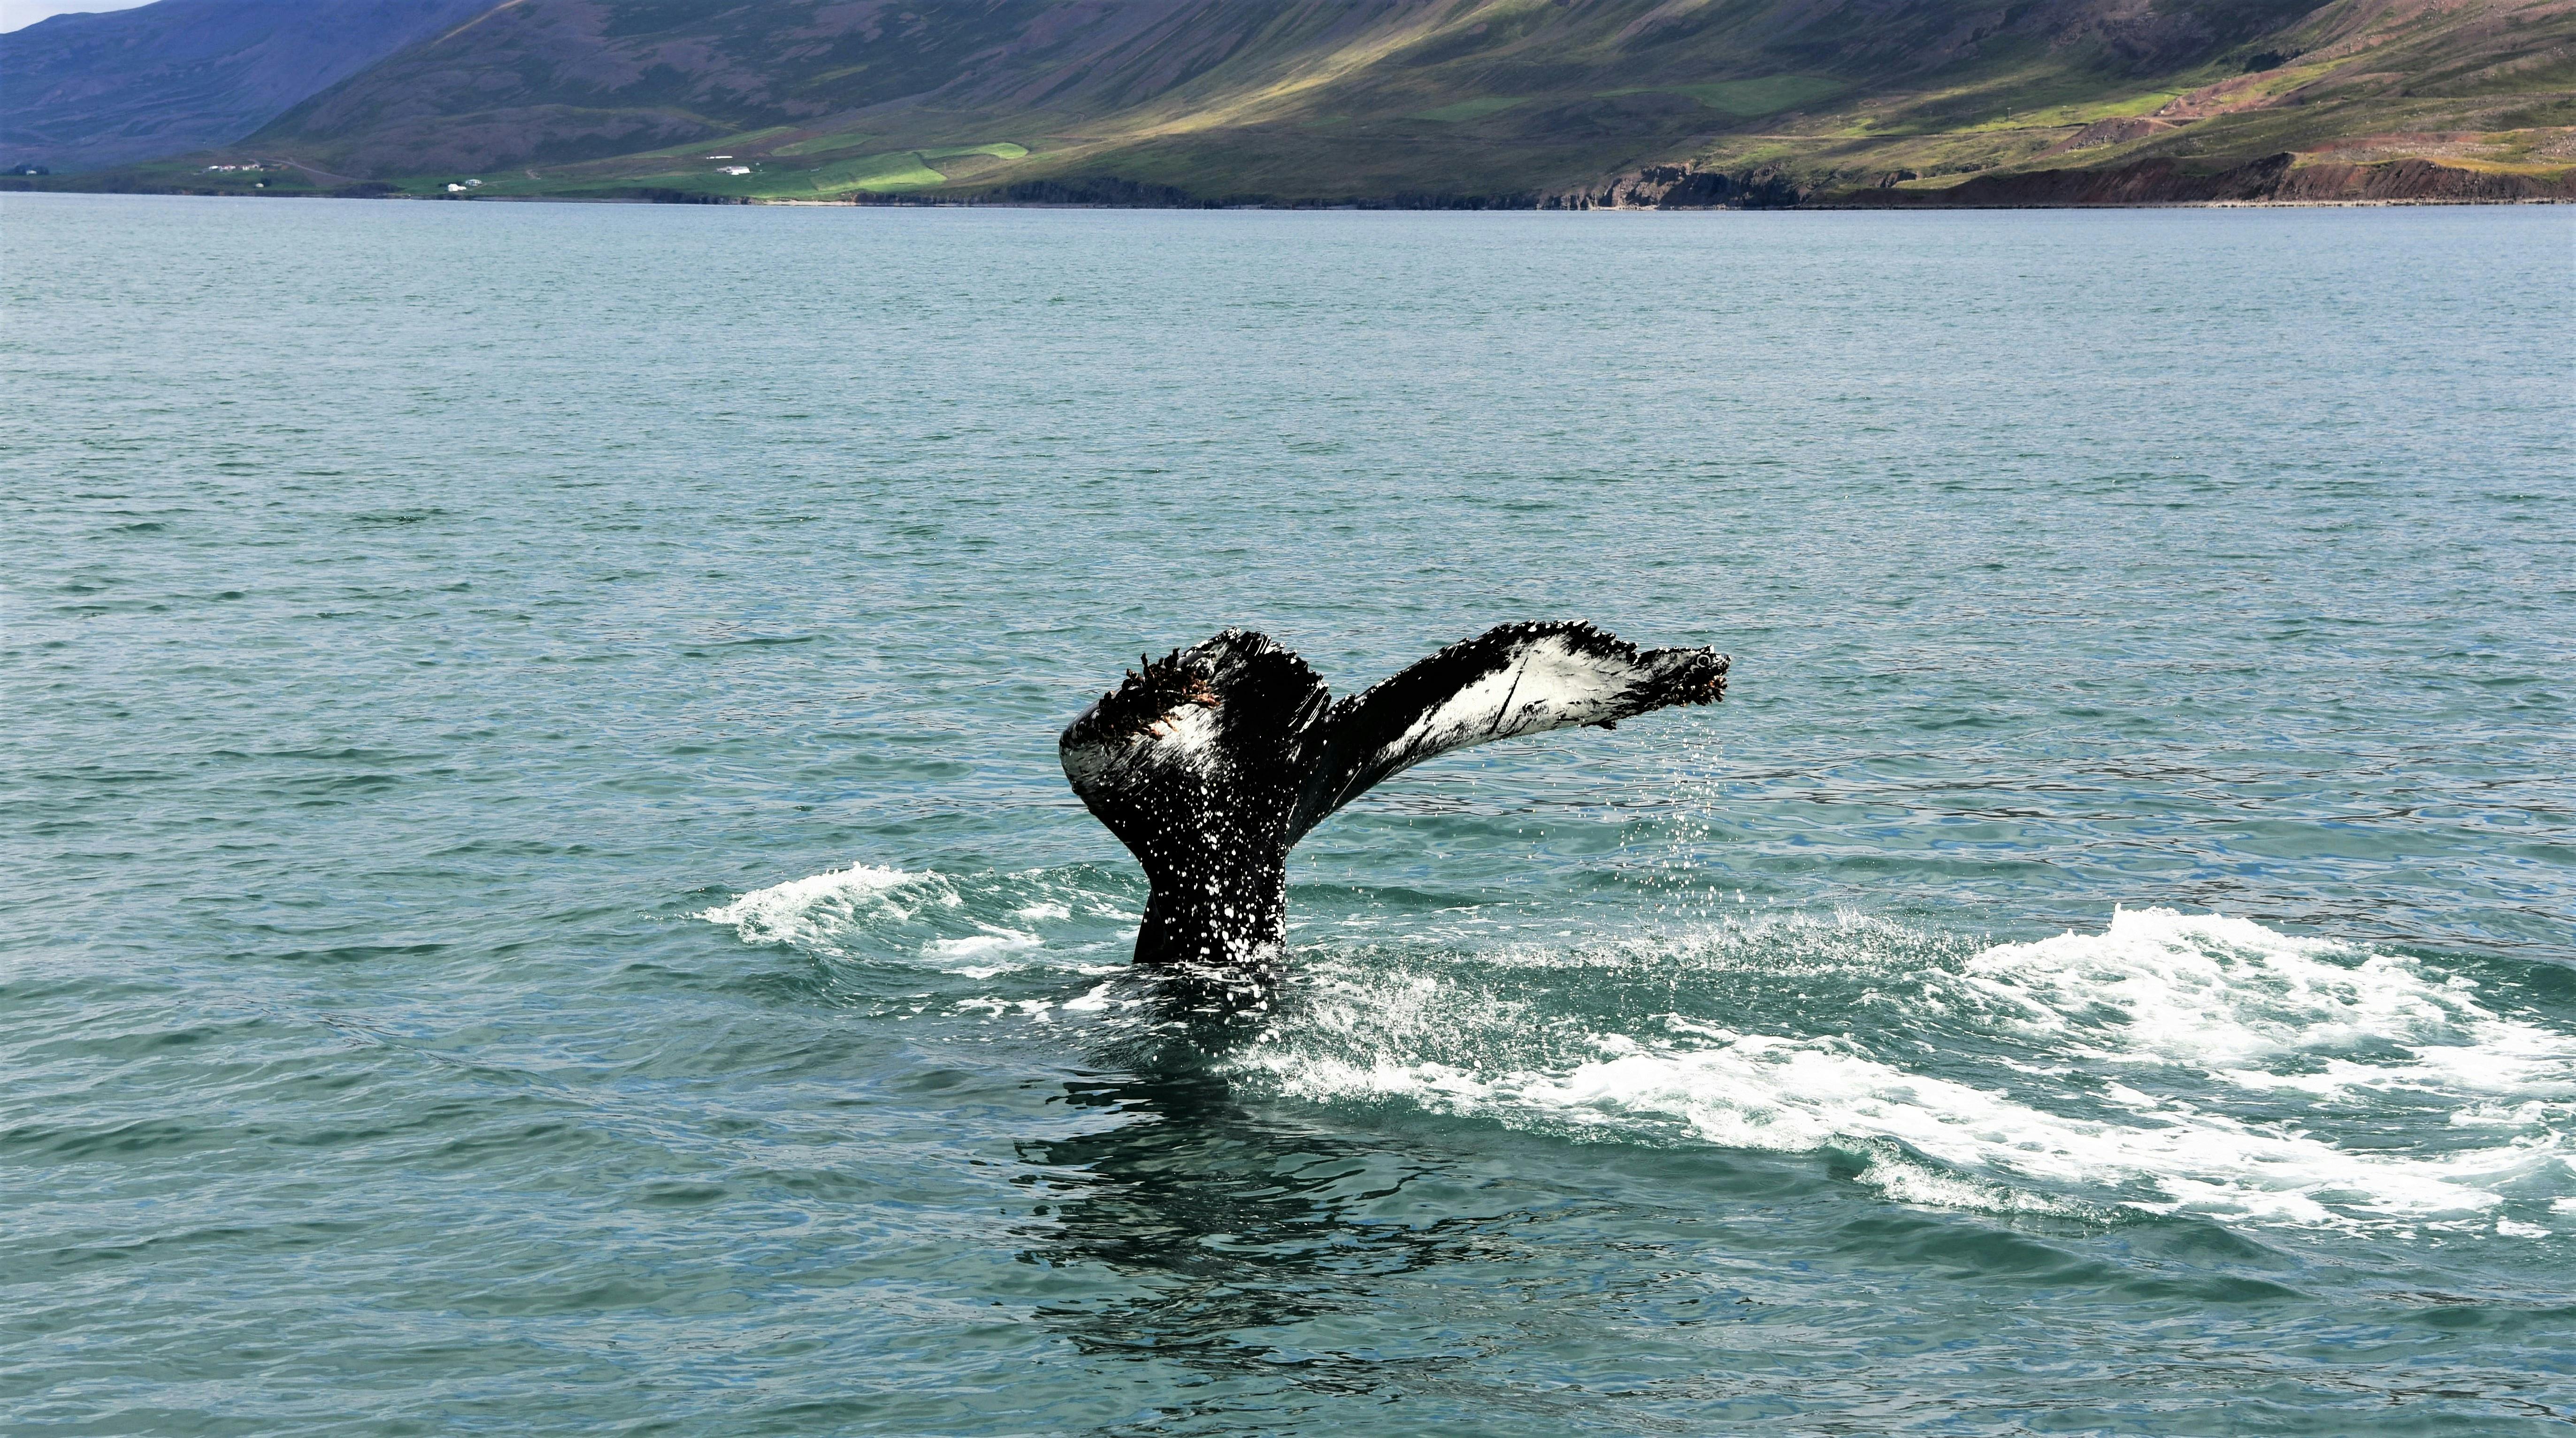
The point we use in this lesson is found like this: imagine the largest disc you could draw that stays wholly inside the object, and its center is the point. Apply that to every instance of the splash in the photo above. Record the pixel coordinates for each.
(2169, 1063)
(808, 910)
(975, 926)
(2236, 999)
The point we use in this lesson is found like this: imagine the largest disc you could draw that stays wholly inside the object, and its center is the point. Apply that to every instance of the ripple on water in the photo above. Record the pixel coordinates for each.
(543, 900)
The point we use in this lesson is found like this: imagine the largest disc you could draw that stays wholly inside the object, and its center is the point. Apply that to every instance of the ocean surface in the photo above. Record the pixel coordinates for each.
(541, 898)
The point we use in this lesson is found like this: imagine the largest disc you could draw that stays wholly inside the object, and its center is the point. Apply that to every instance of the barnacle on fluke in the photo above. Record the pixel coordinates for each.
(1150, 692)
(1213, 761)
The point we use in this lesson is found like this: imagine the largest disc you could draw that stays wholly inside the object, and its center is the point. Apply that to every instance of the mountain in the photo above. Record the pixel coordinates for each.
(80, 91)
(1451, 101)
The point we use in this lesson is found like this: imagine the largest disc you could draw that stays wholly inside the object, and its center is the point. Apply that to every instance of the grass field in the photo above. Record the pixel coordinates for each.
(797, 178)
(1769, 95)
(1475, 109)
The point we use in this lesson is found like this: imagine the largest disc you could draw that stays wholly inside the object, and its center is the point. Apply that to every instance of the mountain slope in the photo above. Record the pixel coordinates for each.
(567, 80)
(79, 91)
(2485, 86)
(1431, 101)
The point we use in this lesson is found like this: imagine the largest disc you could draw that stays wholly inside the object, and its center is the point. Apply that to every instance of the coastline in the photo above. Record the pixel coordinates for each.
(969, 203)
(2282, 180)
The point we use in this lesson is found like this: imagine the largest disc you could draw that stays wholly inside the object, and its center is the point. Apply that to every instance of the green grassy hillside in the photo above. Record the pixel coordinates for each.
(1419, 101)
(2486, 87)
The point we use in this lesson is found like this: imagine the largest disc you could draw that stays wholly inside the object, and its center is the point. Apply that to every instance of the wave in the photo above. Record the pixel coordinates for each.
(815, 908)
(2171, 1063)
(976, 928)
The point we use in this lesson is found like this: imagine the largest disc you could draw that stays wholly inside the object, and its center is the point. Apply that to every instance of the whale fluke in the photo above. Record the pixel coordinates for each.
(1210, 763)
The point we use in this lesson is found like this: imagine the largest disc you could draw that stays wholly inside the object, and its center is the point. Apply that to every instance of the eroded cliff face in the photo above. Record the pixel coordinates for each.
(2419, 180)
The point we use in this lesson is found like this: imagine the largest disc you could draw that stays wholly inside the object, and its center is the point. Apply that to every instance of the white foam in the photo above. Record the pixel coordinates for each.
(986, 945)
(1090, 1003)
(2225, 994)
(2234, 1014)
(802, 910)
(991, 941)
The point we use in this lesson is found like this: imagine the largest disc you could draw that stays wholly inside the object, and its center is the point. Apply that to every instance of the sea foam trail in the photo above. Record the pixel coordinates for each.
(2171, 1062)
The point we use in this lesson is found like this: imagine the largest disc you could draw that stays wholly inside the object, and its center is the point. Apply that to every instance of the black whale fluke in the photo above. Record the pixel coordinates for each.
(1210, 763)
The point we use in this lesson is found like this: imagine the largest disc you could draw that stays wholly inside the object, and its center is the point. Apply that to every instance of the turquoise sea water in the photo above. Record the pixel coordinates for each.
(541, 898)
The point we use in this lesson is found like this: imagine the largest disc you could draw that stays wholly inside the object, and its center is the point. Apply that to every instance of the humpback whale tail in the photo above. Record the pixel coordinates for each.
(1210, 763)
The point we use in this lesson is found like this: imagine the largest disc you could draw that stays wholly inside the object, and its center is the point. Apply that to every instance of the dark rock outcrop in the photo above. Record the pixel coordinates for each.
(1684, 187)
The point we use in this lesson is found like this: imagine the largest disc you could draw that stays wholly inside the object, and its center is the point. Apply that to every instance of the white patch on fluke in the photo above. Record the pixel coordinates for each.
(1187, 736)
(1184, 736)
(1552, 685)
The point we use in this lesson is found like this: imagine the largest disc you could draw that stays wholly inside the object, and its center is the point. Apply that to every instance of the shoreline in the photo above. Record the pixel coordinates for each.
(1837, 204)
(2283, 179)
